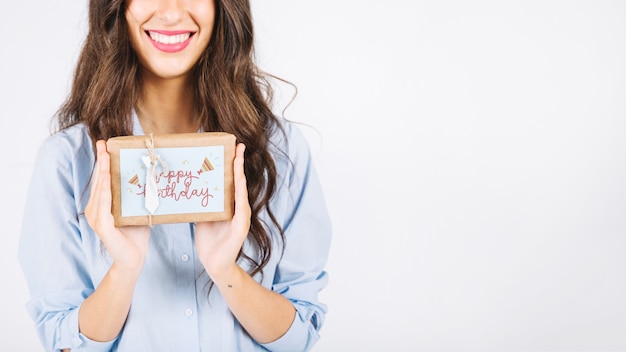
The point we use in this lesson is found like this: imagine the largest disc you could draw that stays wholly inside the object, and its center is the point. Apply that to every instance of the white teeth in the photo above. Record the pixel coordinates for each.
(169, 39)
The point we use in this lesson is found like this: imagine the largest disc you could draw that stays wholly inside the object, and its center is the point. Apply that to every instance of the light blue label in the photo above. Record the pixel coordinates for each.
(191, 182)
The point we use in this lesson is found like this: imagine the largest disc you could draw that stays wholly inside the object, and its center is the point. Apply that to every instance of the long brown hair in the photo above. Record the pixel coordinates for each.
(231, 94)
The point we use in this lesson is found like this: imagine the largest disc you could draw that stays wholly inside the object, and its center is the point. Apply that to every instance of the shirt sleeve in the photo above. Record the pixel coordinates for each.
(300, 274)
(50, 249)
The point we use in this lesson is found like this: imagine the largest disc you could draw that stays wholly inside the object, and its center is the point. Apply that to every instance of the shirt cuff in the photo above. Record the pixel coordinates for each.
(76, 341)
(301, 336)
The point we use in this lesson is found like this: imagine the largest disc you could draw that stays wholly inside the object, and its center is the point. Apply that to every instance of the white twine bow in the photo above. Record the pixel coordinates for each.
(152, 191)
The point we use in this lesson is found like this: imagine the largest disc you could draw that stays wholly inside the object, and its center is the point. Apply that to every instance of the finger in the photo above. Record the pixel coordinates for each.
(242, 204)
(100, 199)
(105, 179)
(96, 171)
(103, 156)
(103, 190)
(95, 181)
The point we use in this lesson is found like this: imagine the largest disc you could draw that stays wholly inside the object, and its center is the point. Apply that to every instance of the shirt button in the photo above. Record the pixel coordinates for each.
(75, 341)
(184, 257)
(188, 312)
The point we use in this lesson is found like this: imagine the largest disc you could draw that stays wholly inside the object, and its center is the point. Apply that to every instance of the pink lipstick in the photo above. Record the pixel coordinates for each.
(170, 41)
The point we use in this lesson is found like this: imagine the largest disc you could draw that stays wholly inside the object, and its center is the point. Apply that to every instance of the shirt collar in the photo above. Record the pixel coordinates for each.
(137, 130)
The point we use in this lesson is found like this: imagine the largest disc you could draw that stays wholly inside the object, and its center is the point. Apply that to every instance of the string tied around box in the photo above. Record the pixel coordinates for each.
(152, 161)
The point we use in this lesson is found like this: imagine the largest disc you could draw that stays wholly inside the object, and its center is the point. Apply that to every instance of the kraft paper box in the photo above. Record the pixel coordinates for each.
(173, 178)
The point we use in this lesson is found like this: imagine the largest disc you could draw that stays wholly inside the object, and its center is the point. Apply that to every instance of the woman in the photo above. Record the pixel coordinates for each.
(247, 284)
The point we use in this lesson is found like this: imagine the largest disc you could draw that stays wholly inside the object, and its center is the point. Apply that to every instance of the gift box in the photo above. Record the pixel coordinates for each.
(186, 177)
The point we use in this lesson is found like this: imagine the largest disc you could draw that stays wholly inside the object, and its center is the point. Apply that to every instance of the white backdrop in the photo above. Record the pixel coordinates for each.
(473, 155)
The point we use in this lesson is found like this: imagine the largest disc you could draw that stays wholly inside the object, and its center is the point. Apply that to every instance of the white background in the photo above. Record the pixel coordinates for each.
(473, 155)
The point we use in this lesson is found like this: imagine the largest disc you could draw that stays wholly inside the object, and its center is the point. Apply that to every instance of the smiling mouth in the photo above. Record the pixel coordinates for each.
(169, 39)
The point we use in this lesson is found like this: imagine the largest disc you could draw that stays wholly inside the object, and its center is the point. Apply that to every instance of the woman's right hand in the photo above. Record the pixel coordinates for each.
(126, 245)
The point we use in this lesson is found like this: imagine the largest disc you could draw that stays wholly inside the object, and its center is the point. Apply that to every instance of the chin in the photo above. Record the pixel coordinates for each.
(170, 72)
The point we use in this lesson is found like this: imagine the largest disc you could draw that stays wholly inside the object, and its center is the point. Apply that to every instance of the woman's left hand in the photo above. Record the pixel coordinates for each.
(218, 242)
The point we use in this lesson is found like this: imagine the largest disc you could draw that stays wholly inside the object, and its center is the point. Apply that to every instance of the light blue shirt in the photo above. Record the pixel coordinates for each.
(64, 261)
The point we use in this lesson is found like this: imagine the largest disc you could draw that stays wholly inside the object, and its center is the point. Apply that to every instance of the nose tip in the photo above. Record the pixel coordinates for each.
(170, 12)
